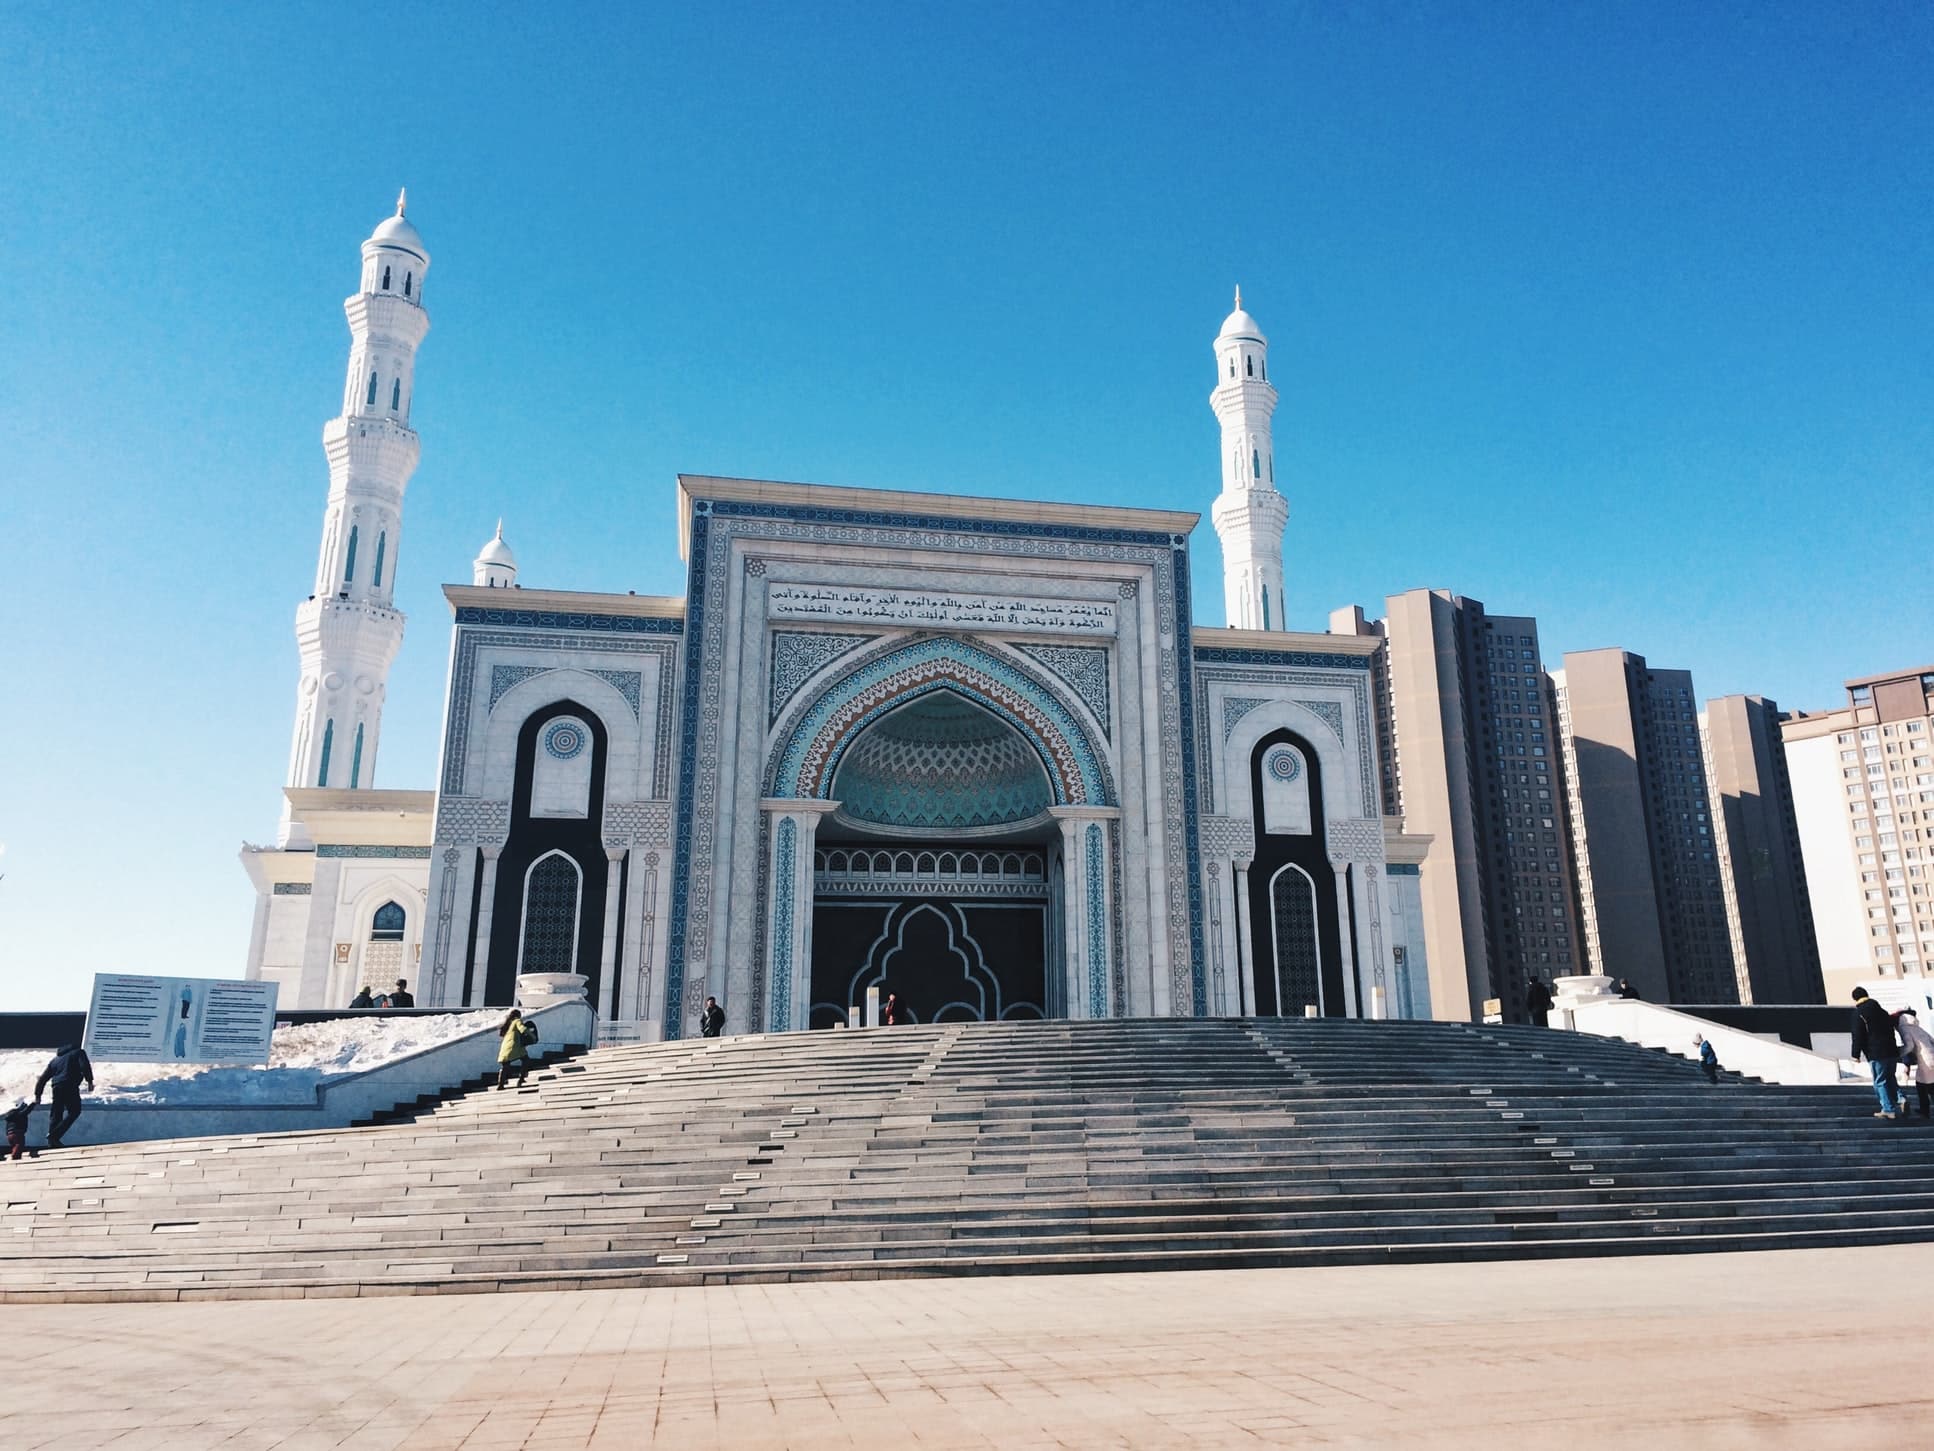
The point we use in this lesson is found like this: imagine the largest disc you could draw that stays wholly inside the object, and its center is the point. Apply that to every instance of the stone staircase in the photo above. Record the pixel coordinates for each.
(985, 1149)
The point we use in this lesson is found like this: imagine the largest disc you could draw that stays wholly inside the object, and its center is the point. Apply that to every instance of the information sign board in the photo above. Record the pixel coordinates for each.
(179, 1019)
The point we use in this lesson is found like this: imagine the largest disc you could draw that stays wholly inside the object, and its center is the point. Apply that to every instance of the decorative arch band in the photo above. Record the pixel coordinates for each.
(806, 766)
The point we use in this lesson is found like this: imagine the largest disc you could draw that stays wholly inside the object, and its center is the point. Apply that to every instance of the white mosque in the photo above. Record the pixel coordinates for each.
(969, 750)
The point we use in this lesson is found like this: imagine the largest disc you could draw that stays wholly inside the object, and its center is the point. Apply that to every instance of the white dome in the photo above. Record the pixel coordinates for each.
(397, 231)
(495, 551)
(1239, 324)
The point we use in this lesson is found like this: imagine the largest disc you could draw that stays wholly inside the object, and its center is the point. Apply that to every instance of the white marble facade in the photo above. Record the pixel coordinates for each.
(968, 748)
(725, 720)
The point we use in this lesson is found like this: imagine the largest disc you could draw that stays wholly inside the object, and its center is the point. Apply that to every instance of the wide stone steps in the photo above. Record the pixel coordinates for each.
(984, 1149)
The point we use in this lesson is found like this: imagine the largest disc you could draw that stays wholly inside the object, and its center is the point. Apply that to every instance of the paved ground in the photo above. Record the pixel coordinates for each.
(1733, 1350)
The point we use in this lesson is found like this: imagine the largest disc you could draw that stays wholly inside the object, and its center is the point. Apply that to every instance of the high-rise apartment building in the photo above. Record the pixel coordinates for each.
(1468, 755)
(1649, 896)
(1757, 838)
(1863, 794)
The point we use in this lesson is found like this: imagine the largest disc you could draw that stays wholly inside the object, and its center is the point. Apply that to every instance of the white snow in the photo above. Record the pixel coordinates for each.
(301, 1059)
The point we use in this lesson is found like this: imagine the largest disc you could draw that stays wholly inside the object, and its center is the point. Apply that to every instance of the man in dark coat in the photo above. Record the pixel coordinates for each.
(68, 1070)
(711, 1022)
(1874, 1039)
(401, 998)
(1538, 1000)
(1627, 991)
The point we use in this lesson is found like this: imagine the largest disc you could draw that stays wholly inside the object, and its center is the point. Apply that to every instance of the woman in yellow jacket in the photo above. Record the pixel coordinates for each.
(513, 1053)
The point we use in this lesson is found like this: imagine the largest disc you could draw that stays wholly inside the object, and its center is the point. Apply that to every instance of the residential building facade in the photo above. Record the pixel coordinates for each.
(1650, 901)
(1769, 919)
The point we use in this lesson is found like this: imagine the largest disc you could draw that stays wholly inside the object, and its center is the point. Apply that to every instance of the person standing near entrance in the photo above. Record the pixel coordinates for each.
(67, 1072)
(711, 1022)
(1873, 1039)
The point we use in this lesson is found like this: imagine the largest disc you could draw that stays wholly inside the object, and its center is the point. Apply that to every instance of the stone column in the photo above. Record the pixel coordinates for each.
(641, 915)
(614, 857)
(487, 903)
(1246, 947)
(1345, 935)
(1087, 910)
(786, 1002)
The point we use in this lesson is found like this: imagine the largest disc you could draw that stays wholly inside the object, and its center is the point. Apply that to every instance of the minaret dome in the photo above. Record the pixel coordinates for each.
(495, 567)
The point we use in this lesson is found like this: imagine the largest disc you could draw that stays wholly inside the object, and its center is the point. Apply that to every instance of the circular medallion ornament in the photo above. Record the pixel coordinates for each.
(1284, 764)
(565, 740)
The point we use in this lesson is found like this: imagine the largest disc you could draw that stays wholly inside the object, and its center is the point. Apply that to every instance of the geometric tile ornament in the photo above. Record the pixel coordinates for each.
(940, 764)
(796, 656)
(891, 680)
(1082, 666)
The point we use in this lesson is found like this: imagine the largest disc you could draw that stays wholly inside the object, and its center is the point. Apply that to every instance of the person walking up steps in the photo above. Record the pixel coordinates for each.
(16, 1120)
(67, 1072)
(1708, 1057)
(1917, 1047)
(1873, 1039)
(513, 1053)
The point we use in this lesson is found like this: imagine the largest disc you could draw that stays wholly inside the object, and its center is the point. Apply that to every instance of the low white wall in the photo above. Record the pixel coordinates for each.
(338, 1104)
(1654, 1026)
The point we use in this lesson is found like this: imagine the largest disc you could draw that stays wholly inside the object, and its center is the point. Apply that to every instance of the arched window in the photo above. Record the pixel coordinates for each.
(1249, 365)
(1265, 607)
(552, 890)
(371, 399)
(349, 560)
(406, 282)
(382, 542)
(1255, 461)
(396, 393)
(328, 740)
(1265, 368)
(1272, 468)
(1232, 365)
(382, 954)
(1294, 927)
(356, 759)
(386, 279)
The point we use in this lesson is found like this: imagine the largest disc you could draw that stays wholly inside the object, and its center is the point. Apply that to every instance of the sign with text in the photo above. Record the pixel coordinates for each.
(848, 604)
(179, 1019)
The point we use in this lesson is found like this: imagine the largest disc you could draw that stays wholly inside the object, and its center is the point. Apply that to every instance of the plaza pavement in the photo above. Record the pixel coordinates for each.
(1778, 1349)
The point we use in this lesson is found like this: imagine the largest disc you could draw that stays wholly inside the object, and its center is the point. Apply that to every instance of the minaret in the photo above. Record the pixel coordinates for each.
(349, 630)
(1249, 514)
(495, 567)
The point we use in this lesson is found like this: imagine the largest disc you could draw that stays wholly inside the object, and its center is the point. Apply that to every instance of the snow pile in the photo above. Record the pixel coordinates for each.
(301, 1059)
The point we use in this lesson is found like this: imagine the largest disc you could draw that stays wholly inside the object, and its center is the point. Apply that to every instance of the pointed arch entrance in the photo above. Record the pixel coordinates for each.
(925, 828)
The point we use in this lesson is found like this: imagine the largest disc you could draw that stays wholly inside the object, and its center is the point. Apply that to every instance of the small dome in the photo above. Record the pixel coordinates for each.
(397, 231)
(1239, 324)
(495, 551)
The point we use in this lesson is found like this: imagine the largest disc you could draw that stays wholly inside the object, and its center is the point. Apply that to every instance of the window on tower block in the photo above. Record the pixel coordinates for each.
(349, 560)
(1248, 365)
(371, 399)
(376, 576)
(386, 279)
(395, 394)
(407, 276)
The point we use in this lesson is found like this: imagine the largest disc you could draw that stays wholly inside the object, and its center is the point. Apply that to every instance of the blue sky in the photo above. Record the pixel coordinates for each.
(1613, 314)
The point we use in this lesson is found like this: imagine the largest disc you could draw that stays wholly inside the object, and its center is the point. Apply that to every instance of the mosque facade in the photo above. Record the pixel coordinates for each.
(971, 751)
